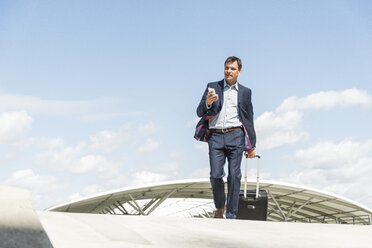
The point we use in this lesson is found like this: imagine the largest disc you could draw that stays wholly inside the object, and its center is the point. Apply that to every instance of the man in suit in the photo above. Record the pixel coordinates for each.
(227, 125)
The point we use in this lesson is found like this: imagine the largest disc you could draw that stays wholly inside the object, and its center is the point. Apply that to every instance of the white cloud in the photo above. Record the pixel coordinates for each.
(4, 157)
(54, 142)
(86, 191)
(327, 100)
(149, 146)
(147, 177)
(83, 157)
(58, 160)
(329, 154)
(147, 129)
(47, 142)
(202, 146)
(75, 160)
(13, 126)
(283, 126)
(201, 172)
(36, 183)
(170, 168)
(108, 116)
(94, 163)
(275, 129)
(251, 173)
(35, 104)
(193, 123)
(15, 102)
(343, 168)
(131, 177)
(109, 141)
(43, 188)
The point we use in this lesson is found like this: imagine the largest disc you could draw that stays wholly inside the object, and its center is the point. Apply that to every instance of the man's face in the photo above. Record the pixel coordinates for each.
(231, 72)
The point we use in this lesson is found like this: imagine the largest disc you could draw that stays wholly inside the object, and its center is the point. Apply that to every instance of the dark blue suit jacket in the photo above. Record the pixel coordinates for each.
(245, 113)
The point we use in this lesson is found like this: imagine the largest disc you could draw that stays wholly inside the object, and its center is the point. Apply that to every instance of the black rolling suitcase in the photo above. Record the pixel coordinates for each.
(252, 203)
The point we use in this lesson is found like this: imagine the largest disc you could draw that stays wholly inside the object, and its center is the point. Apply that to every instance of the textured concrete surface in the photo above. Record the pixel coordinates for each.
(108, 231)
(19, 224)
(20, 227)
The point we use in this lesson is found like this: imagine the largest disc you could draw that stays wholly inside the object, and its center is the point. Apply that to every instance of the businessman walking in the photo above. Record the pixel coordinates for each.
(227, 125)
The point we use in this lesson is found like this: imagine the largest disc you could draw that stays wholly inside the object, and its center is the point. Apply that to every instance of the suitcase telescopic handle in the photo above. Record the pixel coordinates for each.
(258, 156)
(258, 175)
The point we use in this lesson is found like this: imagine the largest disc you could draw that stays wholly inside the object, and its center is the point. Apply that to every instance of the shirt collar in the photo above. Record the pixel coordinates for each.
(234, 86)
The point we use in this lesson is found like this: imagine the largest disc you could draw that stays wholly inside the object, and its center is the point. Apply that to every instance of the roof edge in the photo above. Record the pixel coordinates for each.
(204, 180)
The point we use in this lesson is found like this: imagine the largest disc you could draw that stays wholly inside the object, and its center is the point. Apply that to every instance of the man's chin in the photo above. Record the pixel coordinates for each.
(229, 80)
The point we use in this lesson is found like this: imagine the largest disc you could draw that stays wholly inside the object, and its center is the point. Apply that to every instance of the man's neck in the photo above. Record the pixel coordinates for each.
(230, 83)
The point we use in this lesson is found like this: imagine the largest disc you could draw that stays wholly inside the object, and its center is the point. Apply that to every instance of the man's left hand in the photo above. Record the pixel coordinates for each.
(250, 154)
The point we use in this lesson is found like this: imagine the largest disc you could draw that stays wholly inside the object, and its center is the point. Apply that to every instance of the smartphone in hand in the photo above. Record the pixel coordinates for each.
(212, 96)
(212, 90)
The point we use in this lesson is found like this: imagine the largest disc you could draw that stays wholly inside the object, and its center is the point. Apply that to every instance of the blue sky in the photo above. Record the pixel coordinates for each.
(96, 95)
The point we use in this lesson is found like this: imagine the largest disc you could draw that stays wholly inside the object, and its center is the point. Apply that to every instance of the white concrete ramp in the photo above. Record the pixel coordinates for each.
(19, 224)
(67, 230)
(21, 227)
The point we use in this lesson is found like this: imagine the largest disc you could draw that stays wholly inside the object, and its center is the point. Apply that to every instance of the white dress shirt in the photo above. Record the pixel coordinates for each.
(228, 116)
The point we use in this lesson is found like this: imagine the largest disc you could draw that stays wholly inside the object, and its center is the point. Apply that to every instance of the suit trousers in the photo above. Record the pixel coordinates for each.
(228, 145)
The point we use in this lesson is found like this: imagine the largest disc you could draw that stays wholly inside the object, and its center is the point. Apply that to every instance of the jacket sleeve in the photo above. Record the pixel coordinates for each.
(202, 108)
(251, 130)
(248, 121)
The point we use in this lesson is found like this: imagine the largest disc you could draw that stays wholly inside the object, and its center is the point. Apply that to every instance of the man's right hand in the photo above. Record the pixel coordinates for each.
(211, 98)
(250, 154)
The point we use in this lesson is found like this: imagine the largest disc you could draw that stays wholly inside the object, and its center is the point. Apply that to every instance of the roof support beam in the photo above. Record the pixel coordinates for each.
(273, 210)
(113, 210)
(118, 207)
(319, 213)
(324, 210)
(121, 207)
(290, 208)
(275, 217)
(276, 203)
(299, 208)
(137, 207)
(207, 214)
(134, 210)
(149, 204)
(287, 203)
(102, 203)
(108, 210)
(269, 212)
(161, 200)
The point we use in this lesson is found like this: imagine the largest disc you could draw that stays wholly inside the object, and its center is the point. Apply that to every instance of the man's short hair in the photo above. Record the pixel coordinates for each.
(232, 59)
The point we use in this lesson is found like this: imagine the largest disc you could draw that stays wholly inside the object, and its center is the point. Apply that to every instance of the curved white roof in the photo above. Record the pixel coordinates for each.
(287, 202)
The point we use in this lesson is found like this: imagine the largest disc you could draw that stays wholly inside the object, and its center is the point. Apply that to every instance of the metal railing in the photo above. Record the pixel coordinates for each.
(353, 220)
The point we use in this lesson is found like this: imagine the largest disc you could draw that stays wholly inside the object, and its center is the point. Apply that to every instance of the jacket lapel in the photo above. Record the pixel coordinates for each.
(220, 93)
(240, 95)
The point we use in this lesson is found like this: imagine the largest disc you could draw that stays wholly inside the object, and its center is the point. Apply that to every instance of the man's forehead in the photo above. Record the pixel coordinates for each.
(232, 64)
